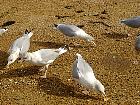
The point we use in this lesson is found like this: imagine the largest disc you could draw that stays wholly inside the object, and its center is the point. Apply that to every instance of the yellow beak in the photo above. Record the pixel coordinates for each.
(105, 97)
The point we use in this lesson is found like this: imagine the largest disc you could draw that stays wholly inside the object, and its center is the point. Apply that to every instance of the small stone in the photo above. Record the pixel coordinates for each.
(16, 82)
(85, 92)
(10, 80)
(114, 57)
(135, 62)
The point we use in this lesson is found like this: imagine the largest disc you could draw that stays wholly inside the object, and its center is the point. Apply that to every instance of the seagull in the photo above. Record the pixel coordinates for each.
(19, 47)
(132, 22)
(83, 74)
(137, 43)
(3, 30)
(44, 57)
(74, 31)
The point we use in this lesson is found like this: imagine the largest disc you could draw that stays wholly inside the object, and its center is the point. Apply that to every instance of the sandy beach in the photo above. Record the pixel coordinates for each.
(115, 61)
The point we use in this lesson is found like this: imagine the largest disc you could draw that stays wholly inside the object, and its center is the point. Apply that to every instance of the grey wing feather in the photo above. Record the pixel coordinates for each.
(25, 46)
(16, 44)
(137, 44)
(75, 71)
(22, 43)
(68, 30)
(84, 67)
(48, 54)
(132, 22)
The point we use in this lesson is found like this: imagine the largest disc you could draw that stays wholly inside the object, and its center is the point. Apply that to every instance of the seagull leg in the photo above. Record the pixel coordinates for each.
(46, 68)
(42, 69)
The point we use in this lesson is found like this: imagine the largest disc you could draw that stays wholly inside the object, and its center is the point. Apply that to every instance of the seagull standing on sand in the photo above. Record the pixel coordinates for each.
(19, 47)
(74, 31)
(44, 57)
(2, 30)
(83, 74)
(132, 22)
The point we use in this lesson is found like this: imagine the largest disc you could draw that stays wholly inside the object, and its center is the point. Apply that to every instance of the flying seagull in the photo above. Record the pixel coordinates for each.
(83, 74)
(19, 47)
(44, 57)
(74, 31)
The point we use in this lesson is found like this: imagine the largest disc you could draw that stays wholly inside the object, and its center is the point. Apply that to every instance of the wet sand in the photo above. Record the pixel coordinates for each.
(115, 60)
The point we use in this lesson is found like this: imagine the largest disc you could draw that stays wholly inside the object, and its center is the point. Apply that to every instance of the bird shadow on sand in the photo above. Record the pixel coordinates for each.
(8, 23)
(57, 45)
(3, 59)
(20, 72)
(137, 51)
(115, 35)
(54, 86)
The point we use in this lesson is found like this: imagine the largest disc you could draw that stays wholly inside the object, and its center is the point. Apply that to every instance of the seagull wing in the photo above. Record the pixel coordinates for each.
(25, 45)
(22, 43)
(48, 54)
(84, 68)
(68, 30)
(75, 71)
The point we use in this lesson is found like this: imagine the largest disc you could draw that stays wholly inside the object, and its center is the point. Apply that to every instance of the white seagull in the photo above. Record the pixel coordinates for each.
(74, 31)
(83, 74)
(19, 47)
(44, 57)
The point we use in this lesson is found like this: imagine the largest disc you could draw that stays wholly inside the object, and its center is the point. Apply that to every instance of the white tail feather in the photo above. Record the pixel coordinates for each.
(62, 50)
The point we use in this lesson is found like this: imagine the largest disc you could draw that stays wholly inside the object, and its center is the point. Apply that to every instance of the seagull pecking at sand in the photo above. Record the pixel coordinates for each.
(83, 74)
(44, 57)
(19, 47)
(74, 31)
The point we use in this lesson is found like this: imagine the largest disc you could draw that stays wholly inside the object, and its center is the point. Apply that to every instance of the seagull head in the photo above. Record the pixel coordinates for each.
(99, 87)
(56, 25)
(11, 59)
(78, 55)
(5, 29)
(123, 21)
(27, 33)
